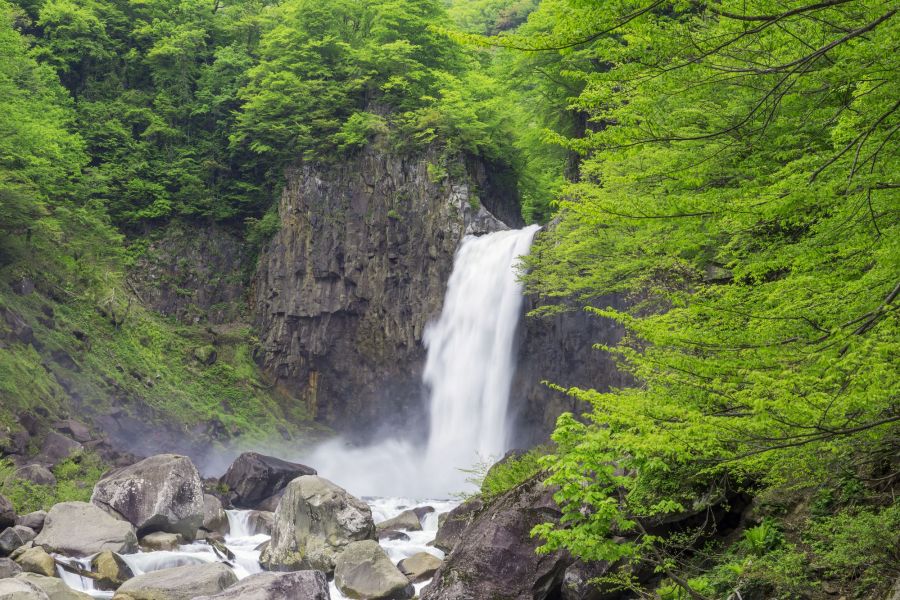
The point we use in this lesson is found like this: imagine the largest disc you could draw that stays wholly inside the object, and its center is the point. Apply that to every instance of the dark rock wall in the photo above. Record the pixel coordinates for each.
(344, 290)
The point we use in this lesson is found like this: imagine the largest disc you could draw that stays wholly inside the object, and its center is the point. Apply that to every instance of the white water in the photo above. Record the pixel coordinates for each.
(468, 372)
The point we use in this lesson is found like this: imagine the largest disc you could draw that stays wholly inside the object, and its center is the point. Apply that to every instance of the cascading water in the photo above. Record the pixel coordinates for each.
(468, 370)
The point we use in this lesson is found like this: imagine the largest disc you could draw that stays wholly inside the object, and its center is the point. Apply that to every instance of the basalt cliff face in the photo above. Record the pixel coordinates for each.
(344, 290)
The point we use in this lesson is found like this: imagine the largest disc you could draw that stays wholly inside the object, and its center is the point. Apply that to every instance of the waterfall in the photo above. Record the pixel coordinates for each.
(468, 371)
(470, 361)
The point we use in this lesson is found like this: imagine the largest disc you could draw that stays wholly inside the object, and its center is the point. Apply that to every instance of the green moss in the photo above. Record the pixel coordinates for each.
(75, 479)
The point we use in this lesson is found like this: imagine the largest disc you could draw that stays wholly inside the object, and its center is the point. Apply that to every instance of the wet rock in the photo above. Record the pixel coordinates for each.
(419, 567)
(577, 584)
(111, 570)
(17, 589)
(82, 529)
(160, 540)
(36, 560)
(299, 585)
(315, 521)
(495, 556)
(261, 521)
(9, 568)
(363, 570)
(57, 448)
(13, 538)
(178, 583)
(253, 478)
(52, 586)
(391, 534)
(160, 493)
(407, 520)
(7, 513)
(421, 511)
(38, 474)
(34, 520)
(214, 516)
(452, 525)
(77, 430)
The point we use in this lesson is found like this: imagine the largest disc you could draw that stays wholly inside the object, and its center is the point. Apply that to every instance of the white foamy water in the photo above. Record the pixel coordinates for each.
(468, 371)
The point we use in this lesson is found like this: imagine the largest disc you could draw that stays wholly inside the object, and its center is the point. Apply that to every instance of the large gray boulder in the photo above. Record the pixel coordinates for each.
(9, 568)
(299, 585)
(178, 583)
(56, 448)
(495, 555)
(7, 513)
(82, 529)
(363, 570)
(34, 520)
(407, 520)
(419, 567)
(315, 520)
(214, 516)
(13, 538)
(453, 524)
(52, 586)
(17, 589)
(38, 474)
(254, 478)
(160, 493)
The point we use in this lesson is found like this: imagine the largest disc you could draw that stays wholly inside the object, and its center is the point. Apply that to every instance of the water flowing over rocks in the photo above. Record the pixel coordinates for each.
(299, 585)
(82, 529)
(315, 520)
(254, 478)
(160, 493)
(178, 583)
(112, 571)
(364, 571)
(495, 555)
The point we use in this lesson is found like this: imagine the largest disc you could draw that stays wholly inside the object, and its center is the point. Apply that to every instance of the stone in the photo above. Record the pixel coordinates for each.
(9, 568)
(392, 535)
(7, 513)
(315, 521)
(38, 474)
(57, 448)
(160, 540)
(13, 538)
(54, 587)
(299, 585)
(495, 556)
(214, 516)
(253, 478)
(576, 584)
(452, 525)
(111, 569)
(206, 355)
(77, 430)
(17, 589)
(160, 493)
(421, 511)
(260, 521)
(36, 560)
(178, 583)
(419, 567)
(363, 570)
(81, 529)
(34, 520)
(407, 520)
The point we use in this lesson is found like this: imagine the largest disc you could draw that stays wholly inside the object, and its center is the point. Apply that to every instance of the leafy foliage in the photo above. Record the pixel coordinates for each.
(75, 479)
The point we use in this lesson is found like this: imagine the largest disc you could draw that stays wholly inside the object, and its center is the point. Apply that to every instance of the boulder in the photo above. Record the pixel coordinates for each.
(253, 478)
(495, 556)
(421, 511)
(407, 520)
(299, 585)
(9, 568)
(315, 520)
(419, 567)
(57, 448)
(34, 520)
(36, 560)
(111, 570)
(13, 538)
(214, 517)
(576, 584)
(52, 586)
(390, 534)
(7, 513)
(82, 529)
(17, 589)
(260, 521)
(452, 525)
(75, 429)
(363, 570)
(160, 493)
(160, 540)
(178, 583)
(38, 474)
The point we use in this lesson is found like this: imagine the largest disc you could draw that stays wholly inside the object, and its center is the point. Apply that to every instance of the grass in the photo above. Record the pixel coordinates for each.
(75, 479)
